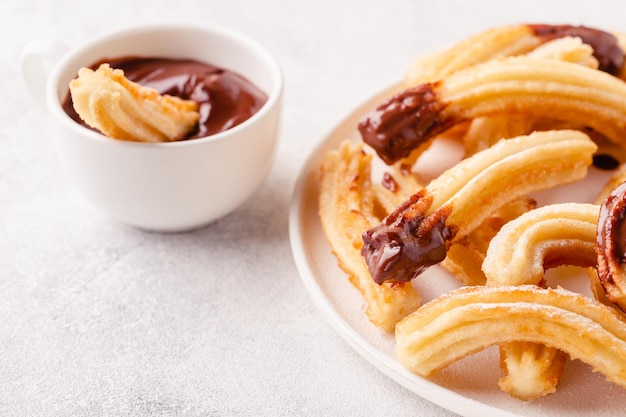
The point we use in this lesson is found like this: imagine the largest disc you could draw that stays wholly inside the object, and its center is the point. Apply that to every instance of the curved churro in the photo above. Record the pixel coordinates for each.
(616, 179)
(470, 319)
(485, 131)
(122, 109)
(610, 246)
(346, 207)
(415, 235)
(546, 237)
(509, 40)
(527, 85)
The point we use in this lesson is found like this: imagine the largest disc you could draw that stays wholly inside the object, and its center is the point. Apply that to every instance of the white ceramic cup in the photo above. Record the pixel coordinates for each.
(168, 187)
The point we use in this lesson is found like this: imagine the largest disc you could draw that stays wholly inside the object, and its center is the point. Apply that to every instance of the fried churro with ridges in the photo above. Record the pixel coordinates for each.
(485, 131)
(547, 237)
(610, 246)
(471, 319)
(121, 109)
(618, 177)
(480, 47)
(512, 40)
(466, 254)
(527, 85)
(415, 236)
(346, 207)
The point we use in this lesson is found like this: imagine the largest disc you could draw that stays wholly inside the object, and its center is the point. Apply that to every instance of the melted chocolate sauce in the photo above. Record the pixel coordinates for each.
(403, 122)
(606, 49)
(406, 243)
(225, 98)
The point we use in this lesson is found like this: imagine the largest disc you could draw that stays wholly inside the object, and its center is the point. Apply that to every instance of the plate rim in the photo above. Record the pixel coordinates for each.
(424, 388)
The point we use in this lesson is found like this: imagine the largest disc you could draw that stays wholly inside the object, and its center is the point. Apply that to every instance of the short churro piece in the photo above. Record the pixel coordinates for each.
(415, 236)
(547, 237)
(122, 109)
(346, 207)
(470, 319)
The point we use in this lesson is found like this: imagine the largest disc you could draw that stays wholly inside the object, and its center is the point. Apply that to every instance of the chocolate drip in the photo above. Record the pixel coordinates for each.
(407, 242)
(225, 98)
(389, 182)
(611, 237)
(606, 49)
(403, 122)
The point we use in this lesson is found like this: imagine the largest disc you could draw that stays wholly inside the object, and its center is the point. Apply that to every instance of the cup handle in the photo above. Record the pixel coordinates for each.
(36, 62)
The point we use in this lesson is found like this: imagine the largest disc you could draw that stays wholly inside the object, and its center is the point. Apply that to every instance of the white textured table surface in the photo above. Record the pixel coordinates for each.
(97, 318)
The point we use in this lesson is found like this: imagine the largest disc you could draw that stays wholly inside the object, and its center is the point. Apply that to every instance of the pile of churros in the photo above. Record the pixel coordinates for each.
(530, 105)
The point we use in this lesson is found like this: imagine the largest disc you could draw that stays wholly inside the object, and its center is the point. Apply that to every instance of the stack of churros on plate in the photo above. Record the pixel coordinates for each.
(530, 105)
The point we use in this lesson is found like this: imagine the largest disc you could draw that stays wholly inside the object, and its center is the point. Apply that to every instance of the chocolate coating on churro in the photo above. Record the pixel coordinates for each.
(403, 122)
(605, 46)
(406, 243)
(611, 237)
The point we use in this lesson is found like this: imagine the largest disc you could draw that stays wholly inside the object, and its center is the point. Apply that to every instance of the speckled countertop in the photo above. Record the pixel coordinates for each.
(100, 319)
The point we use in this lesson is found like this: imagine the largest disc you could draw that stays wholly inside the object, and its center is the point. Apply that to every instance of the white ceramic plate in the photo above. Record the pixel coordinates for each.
(468, 387)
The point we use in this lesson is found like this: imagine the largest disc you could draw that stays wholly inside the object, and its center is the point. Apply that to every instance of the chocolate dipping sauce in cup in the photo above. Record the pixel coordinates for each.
(170, 186)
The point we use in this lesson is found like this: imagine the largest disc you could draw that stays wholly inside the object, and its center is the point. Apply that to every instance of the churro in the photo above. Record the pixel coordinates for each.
(465, 255)
(610, 246)
(416, 234)
(526, 85)
(485, 131)
(547, 237)
(512, 40)
(121, 109)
